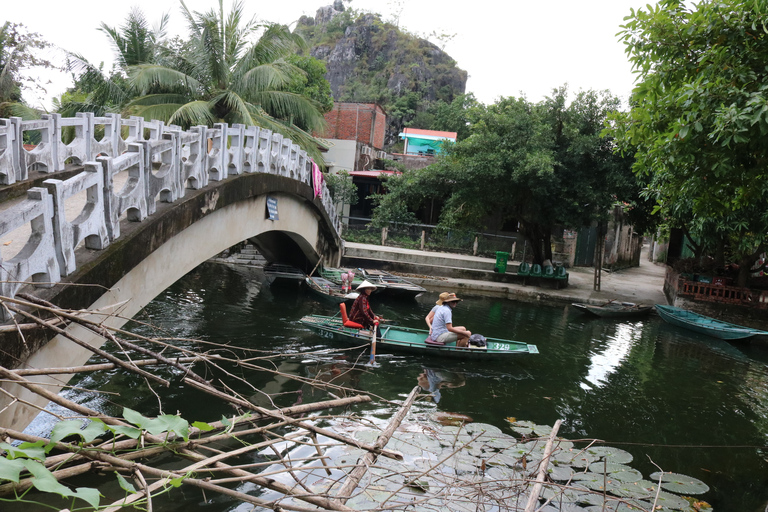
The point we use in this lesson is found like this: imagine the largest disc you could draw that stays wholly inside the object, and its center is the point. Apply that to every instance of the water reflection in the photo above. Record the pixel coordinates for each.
(432, 381)
(616, 351)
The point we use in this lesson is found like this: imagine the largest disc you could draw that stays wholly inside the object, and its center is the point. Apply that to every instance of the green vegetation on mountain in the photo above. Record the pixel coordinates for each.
(370, 60)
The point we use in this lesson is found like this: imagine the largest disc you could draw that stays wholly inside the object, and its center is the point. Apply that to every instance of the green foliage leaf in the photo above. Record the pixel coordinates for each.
(159, 425)
(125, 484)
(34, 450)
(10, 469)
(201, 425)
(75, 427)
(44, 481)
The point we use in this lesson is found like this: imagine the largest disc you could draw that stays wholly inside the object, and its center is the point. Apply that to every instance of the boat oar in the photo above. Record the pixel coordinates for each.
(373, 342)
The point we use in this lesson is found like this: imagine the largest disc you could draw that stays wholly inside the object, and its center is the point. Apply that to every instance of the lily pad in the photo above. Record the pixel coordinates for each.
(559, 473)
(608, 467)
(610, 454)
(484, 428)
(575, 458)
(523, 427)
(572, 494)
(671, 501)
(682, 484)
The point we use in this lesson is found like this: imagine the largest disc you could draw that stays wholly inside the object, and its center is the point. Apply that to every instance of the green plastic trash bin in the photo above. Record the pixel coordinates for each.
(501, 262)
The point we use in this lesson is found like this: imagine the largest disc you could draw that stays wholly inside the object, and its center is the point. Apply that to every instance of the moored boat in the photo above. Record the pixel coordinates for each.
(614, 309)
(704, 324)
(394, 286)
(404, 339)
(279, 273)
(329, 290)
(334, 274)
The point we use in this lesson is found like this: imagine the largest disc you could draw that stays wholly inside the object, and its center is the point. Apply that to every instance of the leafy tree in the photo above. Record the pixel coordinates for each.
(19, 51)
(134, 43)
(341, 188)
(540, 164)
(226, 78)
(312, 83)
(456, 116)
(699, 119)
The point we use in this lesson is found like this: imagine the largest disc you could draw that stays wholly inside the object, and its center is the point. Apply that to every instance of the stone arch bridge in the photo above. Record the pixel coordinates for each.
(151, 202)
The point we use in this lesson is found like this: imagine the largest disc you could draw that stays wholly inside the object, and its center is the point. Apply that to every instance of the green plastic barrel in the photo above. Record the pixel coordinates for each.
(501, 262)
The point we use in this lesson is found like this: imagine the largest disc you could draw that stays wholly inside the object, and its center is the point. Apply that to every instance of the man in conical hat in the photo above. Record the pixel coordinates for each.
(361, 308)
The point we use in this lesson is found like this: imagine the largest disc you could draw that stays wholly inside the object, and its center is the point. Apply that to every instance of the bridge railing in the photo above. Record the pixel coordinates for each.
(157, 163)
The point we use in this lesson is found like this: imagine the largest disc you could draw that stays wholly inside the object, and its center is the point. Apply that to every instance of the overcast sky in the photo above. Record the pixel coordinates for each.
(509, 48)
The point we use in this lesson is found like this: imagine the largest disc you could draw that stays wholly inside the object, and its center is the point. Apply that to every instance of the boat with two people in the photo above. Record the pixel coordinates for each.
(400, 339)
(705, 325)
(614, 309)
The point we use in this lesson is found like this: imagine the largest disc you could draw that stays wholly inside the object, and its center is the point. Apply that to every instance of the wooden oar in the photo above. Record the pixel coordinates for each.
(373, 343)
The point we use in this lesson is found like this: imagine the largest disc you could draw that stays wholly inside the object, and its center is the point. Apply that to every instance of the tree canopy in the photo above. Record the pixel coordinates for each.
(542, 165)
(19, 51)
(699, 119)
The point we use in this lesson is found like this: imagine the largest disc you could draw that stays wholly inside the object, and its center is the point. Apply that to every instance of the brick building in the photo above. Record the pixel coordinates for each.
(361, 122)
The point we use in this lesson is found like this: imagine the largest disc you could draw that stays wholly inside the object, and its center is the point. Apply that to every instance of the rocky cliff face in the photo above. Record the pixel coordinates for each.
(370, 60)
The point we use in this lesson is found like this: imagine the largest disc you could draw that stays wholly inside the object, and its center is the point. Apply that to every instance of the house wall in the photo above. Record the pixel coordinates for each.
(362, 122)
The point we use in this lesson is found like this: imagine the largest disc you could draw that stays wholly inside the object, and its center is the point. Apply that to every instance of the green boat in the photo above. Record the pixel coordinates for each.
(404, 339)
(704, 324)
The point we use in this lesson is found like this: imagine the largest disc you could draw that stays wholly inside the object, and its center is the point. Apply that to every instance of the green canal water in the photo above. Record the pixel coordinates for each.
(685, 402)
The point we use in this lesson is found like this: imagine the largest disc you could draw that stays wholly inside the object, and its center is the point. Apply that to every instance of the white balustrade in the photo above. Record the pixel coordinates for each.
(89, 225)
(37, 259)
(9, 153)
(79, 148)
(158, 161)
(161, 171)
(131, 199)
(216, 152)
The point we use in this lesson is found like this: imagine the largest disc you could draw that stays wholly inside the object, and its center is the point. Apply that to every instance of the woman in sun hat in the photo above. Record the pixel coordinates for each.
(361, 308)
(443, 330)
(431, 313)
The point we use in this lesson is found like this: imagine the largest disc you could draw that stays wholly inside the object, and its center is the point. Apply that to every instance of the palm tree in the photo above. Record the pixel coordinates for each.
(220, 76)
(133, 43)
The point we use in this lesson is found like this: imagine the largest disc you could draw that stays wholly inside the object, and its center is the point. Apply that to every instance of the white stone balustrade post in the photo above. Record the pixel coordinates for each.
(135, 128)
(235, 153)
(285, 157)
(250, 149)
(155, 128)
(216, 152)
(264, 151)
(131, 198)
(275, 153)
(304, 166)
(293, 161)
(89, 225)
(107, 128)
(192, 157)
(43, 156)
(79, 148)
(37, 259)
(9, 152)
(162, 171)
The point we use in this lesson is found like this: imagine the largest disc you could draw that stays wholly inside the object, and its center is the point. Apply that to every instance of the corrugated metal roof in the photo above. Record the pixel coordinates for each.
(429, 133)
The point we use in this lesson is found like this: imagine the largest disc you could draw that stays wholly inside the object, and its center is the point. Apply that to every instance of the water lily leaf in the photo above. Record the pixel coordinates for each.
(671, 501)
(419, 485)
(484, 428)
(682, 484)
(574, 458)
(560, 473)
(610, 454)
(608, 467)
(542, 430)
(523, 427)
(572, 494)
(629, 475)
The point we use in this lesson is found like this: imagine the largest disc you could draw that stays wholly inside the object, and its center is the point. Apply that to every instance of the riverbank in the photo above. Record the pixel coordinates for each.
(434, 271)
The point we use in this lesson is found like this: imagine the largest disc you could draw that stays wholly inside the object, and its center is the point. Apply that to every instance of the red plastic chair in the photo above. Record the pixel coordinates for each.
(345, 319)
